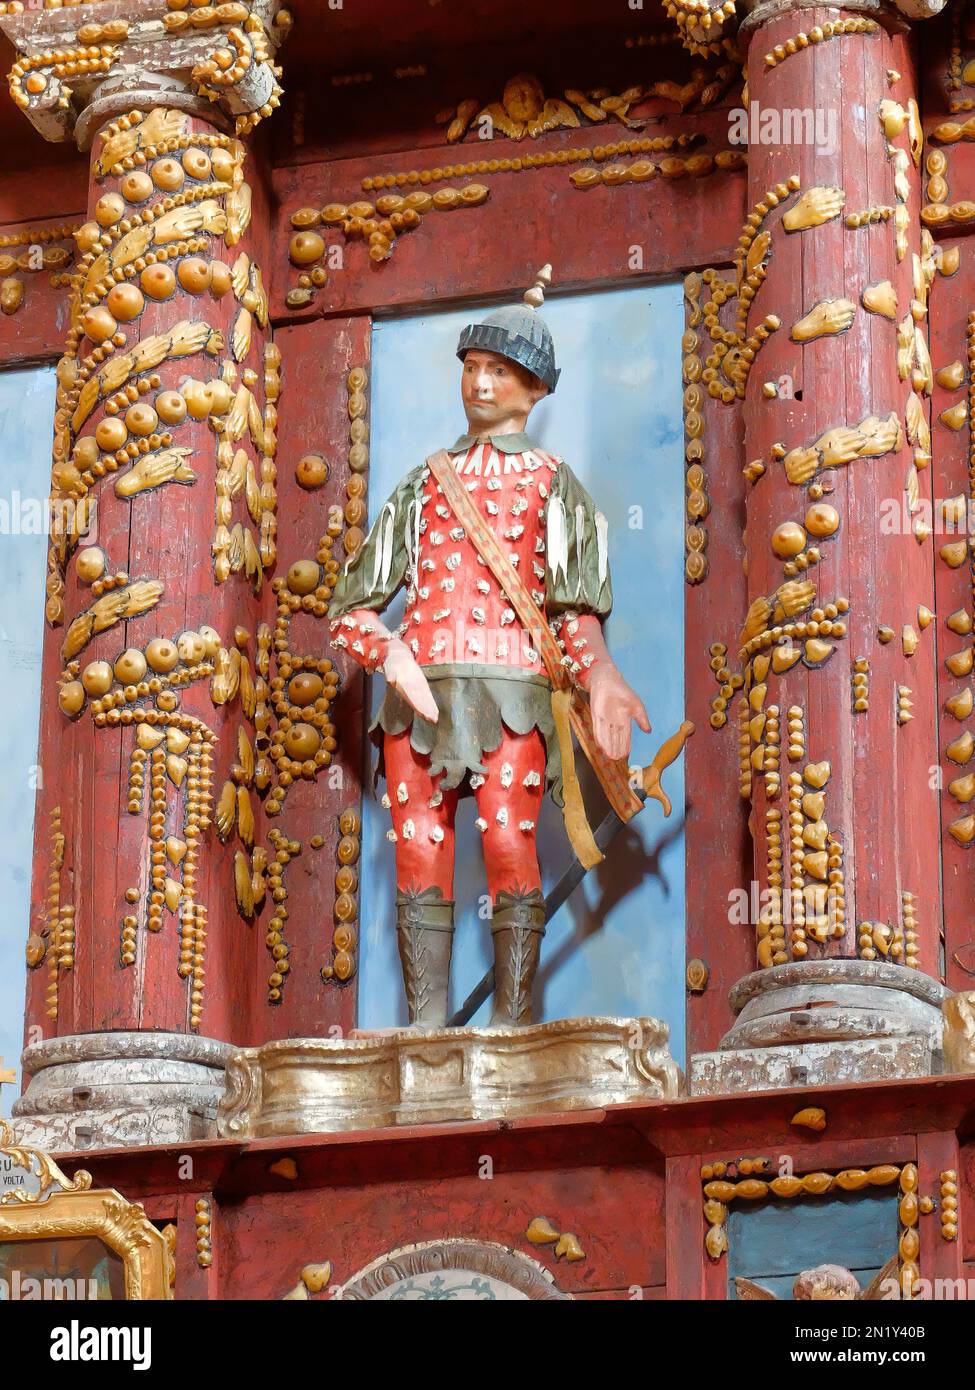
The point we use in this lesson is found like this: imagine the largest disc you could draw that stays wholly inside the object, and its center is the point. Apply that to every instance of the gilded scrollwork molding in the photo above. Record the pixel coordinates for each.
(391, 214)
(287, 734)
(40, 254)
(818, 34)
(399, 1273)
(345, 935)
(697, 503)
(54, 941)
(244, 53)
(38, 83)
(948, 1192)
(62, 1208)
(722, 1186)
(46, 1177)
(541, 159)
(378, 224)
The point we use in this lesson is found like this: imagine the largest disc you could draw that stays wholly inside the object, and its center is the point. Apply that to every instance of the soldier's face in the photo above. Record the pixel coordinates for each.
(497, 392)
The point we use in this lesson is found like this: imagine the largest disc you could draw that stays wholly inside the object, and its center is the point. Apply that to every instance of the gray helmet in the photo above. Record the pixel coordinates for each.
(519, 333)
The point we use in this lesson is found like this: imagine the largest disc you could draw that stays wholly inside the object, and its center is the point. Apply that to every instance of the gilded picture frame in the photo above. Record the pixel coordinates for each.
(54, 1208)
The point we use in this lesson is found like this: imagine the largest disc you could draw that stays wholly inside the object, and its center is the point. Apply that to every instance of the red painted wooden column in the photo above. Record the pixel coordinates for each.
(838, 649)
(125, 804)
(161, 620)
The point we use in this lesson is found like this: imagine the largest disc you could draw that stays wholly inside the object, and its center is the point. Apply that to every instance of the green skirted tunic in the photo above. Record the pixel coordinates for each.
(476, 704)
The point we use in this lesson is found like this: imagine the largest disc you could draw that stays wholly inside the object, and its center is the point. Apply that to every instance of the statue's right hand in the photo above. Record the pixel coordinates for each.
(403, 672)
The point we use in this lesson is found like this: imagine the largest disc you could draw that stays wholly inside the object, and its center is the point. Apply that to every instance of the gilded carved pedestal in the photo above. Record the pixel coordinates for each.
(408, 1077)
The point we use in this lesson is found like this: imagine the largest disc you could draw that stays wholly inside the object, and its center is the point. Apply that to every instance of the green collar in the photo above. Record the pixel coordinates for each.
(504, 443)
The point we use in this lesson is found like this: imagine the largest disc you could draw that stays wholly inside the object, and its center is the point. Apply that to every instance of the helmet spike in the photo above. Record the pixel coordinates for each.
(535, 295)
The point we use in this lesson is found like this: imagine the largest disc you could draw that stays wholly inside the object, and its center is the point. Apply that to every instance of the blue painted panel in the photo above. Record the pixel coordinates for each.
(26, 424)
(617, 946)
(780, 1238)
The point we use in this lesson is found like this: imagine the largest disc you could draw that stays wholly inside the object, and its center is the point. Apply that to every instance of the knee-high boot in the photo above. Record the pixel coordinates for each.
(517, 928)
(425, 935)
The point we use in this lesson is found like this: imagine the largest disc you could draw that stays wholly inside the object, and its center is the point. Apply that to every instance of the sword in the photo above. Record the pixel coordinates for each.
(651, 790)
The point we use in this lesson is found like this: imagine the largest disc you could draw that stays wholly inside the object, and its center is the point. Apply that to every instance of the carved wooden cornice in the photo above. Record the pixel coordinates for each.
(216, 61)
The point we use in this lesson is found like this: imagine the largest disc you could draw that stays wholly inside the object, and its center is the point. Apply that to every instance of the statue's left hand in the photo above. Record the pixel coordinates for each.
(613, 704)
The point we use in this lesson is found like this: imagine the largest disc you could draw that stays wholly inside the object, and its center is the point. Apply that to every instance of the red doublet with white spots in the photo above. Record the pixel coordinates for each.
(456, 611)
(457, 614)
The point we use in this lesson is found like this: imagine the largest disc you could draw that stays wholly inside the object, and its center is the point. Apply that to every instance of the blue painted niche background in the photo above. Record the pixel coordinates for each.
(617, 945)
(771, 1242)
(26, 424)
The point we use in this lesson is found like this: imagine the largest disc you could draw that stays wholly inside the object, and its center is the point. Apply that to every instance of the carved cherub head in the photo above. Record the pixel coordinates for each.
(825, 1282)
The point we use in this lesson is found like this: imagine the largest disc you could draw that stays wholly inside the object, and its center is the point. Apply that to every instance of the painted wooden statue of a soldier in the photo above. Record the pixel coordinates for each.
(505, 559)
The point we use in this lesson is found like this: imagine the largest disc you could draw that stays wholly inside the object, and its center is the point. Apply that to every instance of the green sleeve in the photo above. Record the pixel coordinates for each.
(577, 555)
(372, 577)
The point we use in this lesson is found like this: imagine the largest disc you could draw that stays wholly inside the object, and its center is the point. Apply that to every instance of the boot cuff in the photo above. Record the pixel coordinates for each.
(519, 910)
(425, 908)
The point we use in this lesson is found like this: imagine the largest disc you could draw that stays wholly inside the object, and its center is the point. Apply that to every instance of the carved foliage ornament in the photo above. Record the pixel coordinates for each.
(525, 110)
